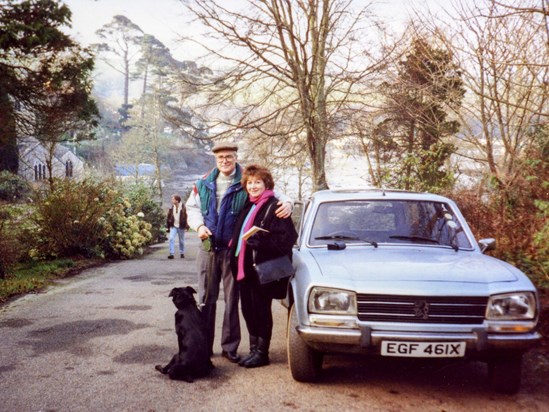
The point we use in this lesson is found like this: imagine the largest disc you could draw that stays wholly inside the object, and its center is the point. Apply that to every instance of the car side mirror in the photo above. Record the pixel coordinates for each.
(487, 244)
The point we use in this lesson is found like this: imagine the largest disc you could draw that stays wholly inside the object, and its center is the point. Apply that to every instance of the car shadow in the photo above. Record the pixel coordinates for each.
(396, 374)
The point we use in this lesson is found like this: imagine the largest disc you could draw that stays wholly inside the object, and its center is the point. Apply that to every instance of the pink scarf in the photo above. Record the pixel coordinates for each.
(259, 201)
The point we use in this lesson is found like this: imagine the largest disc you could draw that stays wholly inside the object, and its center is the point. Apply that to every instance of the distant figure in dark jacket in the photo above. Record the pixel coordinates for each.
(177, 225)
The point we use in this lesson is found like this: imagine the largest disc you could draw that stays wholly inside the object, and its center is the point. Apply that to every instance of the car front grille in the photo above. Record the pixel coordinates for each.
(421, 309)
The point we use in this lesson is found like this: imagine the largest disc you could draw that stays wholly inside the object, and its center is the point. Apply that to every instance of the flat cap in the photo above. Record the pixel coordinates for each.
(224, 146)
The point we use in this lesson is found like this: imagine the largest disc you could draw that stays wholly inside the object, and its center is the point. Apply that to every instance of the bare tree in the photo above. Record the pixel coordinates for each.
(513, 7)
(296, 69)
(143, 143)
(289, 164)
(505, 61)
(502, 49)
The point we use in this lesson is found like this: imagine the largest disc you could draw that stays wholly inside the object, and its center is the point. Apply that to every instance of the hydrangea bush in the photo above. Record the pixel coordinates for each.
(89, 218)
(143, 204)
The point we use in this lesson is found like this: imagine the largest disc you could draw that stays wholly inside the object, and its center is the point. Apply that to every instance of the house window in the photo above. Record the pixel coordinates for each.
(68, 168)
(39, 171)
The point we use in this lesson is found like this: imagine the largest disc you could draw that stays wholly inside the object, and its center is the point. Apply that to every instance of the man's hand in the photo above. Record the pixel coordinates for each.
(204, 232)
(284, 210)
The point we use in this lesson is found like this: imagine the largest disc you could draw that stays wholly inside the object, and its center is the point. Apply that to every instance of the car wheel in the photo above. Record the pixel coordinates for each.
(504, 373)
(305, 362)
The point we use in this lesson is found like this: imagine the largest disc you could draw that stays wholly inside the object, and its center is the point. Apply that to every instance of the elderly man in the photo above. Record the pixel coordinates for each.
(212, 208)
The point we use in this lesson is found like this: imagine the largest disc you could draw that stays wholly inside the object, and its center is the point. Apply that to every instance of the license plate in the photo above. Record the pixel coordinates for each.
(423, 349)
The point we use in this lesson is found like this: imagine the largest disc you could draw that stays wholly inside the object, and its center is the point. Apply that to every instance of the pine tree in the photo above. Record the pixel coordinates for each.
(416, 126)
(44, 76)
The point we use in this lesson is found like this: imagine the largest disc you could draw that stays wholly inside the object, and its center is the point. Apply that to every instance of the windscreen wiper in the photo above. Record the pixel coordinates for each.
(415, 238)
(343, 237)
(421, 239)
(337, 237)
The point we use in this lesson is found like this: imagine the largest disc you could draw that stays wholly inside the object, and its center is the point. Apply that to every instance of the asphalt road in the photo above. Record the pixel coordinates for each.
(90, 343)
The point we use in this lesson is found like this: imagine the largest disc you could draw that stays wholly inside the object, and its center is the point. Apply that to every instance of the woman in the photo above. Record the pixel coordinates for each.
(277, 240)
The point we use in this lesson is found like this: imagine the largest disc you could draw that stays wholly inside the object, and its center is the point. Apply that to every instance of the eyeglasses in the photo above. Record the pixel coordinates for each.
(228, 158)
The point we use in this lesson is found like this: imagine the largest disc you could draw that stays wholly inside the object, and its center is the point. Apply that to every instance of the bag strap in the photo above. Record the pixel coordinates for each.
(261, 225)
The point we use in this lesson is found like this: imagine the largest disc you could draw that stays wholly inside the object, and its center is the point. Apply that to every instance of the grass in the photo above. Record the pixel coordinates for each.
(33, 276)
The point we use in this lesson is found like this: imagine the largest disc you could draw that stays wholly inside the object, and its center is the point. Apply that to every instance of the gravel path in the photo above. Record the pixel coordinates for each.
(90, 343)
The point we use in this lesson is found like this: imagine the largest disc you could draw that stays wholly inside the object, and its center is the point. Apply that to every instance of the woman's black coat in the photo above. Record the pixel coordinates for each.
(278, 242)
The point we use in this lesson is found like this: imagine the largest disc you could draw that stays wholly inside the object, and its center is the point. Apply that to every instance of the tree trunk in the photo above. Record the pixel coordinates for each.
(317, 152)
(409, 153)
(126, 78)
(144, 90)
(50, 146)
(9, 154)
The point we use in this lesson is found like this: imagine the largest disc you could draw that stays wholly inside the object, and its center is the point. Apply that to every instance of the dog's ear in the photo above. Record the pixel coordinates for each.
(190, 289)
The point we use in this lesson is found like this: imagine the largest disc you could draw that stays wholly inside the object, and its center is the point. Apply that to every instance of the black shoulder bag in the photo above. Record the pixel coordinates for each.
(276, 269)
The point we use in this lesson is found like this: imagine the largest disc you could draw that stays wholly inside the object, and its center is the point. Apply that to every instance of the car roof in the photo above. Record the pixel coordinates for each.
(374, 194)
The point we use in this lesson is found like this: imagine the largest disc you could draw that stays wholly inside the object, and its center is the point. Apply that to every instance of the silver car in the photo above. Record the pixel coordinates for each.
(399, 274)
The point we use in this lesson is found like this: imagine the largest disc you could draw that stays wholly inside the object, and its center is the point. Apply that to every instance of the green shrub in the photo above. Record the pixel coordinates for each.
(67, 219)
(141, 198)
(12, 187)
(11, 249)
(87, 218)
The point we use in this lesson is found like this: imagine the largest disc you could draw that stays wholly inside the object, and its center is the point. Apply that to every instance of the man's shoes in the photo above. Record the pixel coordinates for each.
(170, 257)
(182, 255)
(231, 356)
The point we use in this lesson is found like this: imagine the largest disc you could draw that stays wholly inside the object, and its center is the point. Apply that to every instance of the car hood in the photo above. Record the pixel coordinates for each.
(411, 264)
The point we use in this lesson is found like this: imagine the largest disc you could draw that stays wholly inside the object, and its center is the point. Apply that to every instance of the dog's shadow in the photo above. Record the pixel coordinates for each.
(193, 357)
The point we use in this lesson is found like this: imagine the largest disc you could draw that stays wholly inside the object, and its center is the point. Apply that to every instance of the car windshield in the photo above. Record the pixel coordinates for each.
(381, 221)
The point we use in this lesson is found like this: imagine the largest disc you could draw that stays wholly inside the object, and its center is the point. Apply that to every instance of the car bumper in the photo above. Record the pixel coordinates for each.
(367, 340)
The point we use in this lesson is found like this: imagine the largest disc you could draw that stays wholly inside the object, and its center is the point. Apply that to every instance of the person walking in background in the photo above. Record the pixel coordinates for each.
(176, 223)
(276, 240)
(213, 207)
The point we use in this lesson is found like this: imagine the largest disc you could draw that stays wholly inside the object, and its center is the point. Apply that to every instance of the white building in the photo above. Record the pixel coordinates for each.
(33, 157)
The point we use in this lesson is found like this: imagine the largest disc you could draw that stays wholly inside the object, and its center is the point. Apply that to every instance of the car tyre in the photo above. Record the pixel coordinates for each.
(305, 362)
(504, 373)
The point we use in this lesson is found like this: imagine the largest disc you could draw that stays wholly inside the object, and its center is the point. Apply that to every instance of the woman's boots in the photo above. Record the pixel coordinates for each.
(259, 356)
(253, 348)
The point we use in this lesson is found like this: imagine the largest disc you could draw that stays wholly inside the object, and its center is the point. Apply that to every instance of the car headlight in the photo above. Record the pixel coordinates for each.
(512, 306)
(332, 301)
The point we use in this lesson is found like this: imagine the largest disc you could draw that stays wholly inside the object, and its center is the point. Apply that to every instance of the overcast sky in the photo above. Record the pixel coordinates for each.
(166, 19)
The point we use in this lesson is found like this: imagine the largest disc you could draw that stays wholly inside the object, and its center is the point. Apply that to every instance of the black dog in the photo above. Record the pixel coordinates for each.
(193, 359)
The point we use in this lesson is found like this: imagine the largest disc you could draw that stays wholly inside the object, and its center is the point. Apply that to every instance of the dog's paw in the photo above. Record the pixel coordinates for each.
(160, 369)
